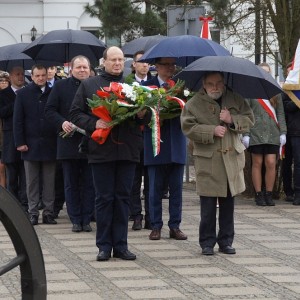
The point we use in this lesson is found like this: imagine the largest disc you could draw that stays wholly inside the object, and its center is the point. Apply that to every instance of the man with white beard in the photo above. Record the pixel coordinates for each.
(213, 120)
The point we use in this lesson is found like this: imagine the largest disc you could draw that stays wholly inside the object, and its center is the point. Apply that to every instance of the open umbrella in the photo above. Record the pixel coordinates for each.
(241, 75)
(12, 56)
(63, 45)
(143, 43)
(185, 48)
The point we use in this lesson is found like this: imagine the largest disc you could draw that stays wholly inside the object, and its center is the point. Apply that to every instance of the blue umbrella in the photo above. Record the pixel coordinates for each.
(241, 75)
(185, 48)
(12, 56)
(62, 45)
(143, 43)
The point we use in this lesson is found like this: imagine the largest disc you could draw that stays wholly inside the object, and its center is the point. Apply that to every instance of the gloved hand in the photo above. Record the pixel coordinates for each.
(246, 140)
(282, 139)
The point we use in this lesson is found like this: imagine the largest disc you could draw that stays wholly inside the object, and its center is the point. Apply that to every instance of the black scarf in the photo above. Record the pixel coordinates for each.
(111, 78)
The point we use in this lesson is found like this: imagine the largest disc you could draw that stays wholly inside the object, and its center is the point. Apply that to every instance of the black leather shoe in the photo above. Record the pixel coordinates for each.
(208, 251)
(126, 255)
(103, 255)
(48, 219)
(33, 219)
(289, 198)
(76, 228)
(137, 224)
(227, 250)
(87, 228)
(296, 201)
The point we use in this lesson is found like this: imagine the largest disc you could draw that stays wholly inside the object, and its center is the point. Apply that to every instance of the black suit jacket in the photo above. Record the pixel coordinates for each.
(57, 112)
(30, 126)
(9, 151)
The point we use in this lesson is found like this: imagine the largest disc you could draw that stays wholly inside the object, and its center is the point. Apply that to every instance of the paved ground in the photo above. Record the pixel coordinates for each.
(266, 266)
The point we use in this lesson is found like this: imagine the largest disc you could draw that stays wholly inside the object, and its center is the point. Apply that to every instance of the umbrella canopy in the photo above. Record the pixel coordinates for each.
(63, 45)
(12, 56)
(143, 43)
(241, 75)
(185, 48)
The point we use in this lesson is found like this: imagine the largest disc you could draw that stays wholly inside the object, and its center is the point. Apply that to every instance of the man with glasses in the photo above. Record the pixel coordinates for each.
(168, 165)
(213, 120)
(139, 74)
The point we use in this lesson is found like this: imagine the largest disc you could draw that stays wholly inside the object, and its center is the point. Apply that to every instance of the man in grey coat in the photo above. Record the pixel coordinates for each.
(213, 120)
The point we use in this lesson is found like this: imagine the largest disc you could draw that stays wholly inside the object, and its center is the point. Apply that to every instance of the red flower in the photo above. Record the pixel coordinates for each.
(102, 94)
(170, 83)
(116, 88)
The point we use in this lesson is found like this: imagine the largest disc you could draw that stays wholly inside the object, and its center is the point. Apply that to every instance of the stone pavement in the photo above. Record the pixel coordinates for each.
(266, 266)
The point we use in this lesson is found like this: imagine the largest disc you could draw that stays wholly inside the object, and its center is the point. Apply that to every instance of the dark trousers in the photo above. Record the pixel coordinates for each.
(135, 199)
(59, 189)
(16, 182)
(157, 177)
(287, 162)
(207, 231)
(295, 142)
(113, 183)
(79, 190)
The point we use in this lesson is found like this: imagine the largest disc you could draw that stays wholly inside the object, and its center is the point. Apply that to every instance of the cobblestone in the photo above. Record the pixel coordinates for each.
(266, 266)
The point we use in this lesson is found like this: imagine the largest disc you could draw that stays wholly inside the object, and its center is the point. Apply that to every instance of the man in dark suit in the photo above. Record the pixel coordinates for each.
(139, 74)
(168, 165)
(35, 138)
(15, 173)
(78, 181)
(113, 162)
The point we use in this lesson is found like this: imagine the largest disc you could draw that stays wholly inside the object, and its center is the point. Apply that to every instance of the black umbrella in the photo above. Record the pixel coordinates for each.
(63, 45)
(185, 48)
(143, 43)
(241, 75)
(12, 56)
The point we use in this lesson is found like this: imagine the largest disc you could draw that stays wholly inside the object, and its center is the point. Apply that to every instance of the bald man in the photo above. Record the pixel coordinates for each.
(113, 162)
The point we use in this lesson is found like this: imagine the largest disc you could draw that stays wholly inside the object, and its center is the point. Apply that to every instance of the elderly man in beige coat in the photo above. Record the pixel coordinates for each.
(213, 120)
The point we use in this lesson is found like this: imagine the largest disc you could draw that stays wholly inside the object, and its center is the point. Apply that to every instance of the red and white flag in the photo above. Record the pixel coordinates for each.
(205, 32)
(292, 82)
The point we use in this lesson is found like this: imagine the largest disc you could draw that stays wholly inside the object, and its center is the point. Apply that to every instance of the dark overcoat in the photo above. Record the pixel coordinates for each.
(173, 141)
(124, 141)
(30, 125)
(57, 112)
(9, 151)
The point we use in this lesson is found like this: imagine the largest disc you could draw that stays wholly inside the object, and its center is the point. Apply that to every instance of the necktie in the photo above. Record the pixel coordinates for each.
(50, 84)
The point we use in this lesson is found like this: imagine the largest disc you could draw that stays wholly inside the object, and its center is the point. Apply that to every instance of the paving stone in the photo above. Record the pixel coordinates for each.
(220, 280)
(231, 291)
(266, 266)
(81, 296)
(142, 283)
(156, 294)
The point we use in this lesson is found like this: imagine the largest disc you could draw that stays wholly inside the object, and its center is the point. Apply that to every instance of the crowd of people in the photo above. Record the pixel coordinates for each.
(42, 169)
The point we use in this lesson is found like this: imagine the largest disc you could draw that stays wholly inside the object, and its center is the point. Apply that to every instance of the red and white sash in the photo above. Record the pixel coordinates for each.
(266, 105)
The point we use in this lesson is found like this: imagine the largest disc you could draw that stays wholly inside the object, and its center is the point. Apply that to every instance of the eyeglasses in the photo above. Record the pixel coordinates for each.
(167, 64)
(4, 81)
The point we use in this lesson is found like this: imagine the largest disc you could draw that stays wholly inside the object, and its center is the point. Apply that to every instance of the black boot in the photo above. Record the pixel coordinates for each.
(259, 199)
(268, 199)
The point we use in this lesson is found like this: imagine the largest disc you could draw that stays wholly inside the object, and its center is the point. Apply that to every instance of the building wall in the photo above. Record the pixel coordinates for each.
(17, 17)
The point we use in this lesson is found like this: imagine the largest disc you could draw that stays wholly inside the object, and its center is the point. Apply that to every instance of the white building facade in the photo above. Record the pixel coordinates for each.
(17, 18)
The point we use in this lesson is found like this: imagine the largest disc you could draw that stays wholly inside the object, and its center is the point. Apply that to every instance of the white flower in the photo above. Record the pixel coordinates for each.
(186, 93)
